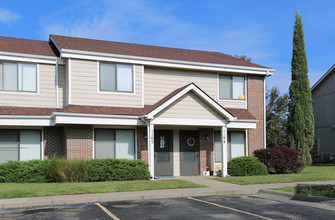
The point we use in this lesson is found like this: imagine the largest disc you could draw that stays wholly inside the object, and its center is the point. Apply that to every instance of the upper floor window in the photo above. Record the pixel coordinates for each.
(116, 77)
(231, 87)
(18, 77)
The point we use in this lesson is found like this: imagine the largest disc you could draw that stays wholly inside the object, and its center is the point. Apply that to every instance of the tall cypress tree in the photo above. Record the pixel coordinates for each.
(300, 126)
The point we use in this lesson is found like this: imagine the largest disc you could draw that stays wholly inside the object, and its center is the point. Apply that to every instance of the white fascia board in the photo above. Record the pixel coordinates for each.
(68, 53)
(27, 57)
(93, 115)
(322, 77)
(20, 120)
(188, 122)
(96, 120)
(183, 92)
(243, 124)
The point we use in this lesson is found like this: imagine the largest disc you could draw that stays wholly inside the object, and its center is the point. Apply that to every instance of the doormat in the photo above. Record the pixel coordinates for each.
(163, 177)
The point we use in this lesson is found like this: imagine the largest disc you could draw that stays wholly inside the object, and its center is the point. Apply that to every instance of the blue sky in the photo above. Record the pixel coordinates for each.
(262, 30)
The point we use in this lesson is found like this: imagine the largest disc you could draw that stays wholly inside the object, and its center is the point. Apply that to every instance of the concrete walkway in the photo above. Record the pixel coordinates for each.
(214, 188)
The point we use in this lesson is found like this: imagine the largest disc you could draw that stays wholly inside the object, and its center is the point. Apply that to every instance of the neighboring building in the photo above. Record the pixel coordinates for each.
(182, 111)
(323, 95)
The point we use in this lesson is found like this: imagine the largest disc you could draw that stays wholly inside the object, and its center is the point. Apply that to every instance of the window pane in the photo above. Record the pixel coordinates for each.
(238, 87)
(10, 76)
(30, 145)
(125, 146)
(225, 87)
(125, 78)
(104, 144)
(1, 75)
(27, 77)
(8, 145)
(107, 77)
(237, 144)
(217, 147)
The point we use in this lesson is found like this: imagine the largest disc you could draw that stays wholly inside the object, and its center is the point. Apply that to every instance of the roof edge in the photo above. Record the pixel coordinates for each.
(323, 77)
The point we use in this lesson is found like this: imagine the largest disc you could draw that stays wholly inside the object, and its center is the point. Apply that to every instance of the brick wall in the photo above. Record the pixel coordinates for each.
(53, 142)
(78, 141)
(256, 108)
(142, 144)
(206, 150)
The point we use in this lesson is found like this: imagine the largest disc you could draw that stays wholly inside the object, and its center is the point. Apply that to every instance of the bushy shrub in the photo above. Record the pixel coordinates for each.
(246, 166)
(33, 171)
(280, 160)
(66, 170)
(116, 170)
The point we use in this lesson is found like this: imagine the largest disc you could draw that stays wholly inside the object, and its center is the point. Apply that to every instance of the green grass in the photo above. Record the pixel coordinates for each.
(17, 190)
(327, 191)
(311, 173)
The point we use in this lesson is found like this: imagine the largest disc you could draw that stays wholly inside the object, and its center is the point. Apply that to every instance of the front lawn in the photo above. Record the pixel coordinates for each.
(311, 173)
(312, 190)
(17, 190)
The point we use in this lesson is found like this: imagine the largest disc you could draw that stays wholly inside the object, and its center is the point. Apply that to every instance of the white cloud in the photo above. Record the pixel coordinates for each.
(8, 17)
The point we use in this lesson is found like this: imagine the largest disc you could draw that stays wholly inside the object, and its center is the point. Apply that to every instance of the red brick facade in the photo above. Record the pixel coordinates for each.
(53, 142)
(206, 149)
(79, 141)
(142, 144)
(256, 108)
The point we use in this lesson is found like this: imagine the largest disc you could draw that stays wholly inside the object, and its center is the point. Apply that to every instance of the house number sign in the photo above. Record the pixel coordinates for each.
(190, 141)
(162, 142)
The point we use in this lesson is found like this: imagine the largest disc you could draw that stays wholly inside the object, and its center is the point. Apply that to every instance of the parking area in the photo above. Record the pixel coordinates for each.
(209, 207)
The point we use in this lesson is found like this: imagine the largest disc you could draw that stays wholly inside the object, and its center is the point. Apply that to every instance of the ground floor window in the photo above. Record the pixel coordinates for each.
(114, 143)
(235, 148)
(20, 145)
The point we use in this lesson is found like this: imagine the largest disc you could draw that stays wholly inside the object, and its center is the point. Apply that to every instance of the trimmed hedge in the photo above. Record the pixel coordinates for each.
(280, 160)
(246, 166)
(34, 171)
(73, 170)
(116, 170)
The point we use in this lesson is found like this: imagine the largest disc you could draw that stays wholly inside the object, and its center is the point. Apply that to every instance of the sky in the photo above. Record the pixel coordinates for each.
(262, 30)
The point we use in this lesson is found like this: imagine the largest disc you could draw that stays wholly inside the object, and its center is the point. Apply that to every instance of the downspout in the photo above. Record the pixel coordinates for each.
(264, 121)
(57, 98)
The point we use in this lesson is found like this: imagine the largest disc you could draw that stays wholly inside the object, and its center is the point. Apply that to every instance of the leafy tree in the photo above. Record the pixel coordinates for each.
(243, 57)
(300, 126)
(276, 118)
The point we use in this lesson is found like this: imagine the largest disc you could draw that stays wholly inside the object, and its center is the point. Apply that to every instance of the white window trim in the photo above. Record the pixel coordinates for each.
(116, 92)
(18, 92)
(232, 100)
(116, 128)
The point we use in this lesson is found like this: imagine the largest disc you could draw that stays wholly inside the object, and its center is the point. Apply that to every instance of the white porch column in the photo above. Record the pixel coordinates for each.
(151, 148)
(224, 144)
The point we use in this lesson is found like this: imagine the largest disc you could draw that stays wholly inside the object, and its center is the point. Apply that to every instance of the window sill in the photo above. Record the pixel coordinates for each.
(116, 92)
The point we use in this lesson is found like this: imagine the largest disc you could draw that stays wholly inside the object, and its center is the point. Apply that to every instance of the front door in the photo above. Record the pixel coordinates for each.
(163, 153)
(189, 153)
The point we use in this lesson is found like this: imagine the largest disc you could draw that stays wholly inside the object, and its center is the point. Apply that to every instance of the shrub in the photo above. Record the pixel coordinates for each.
(33, 171)
(246, 166)
(66, 170)
(280, 160)
(116, 170)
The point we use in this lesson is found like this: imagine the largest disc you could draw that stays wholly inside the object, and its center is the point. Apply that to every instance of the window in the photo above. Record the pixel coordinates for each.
(235, 147)
(20, 145)
(111, 143)
(231, 87)
(116, 77)
(18, 77)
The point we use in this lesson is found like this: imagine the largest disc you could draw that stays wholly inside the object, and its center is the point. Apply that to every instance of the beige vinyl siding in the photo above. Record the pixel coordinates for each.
(190, 106)
(85, 87)
(45, 97)
(160, 82)
(61, 86)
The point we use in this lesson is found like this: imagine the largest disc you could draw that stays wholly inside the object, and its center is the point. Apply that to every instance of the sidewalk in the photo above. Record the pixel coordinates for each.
(214, 188)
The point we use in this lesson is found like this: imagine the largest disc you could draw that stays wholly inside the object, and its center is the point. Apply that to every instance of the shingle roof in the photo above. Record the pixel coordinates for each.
(83, 44)
(25, 46)
(26, 111)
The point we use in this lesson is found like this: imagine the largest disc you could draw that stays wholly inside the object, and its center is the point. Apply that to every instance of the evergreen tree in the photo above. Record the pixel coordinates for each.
(300, 126)
(276, 118)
